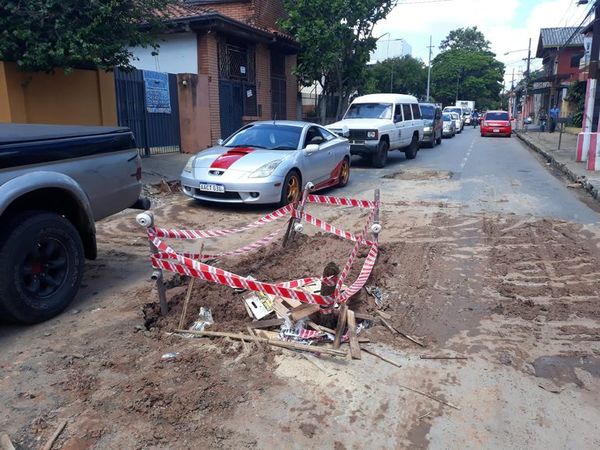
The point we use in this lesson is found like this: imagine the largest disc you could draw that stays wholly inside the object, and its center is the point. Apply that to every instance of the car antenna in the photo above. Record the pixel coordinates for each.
(274, 119)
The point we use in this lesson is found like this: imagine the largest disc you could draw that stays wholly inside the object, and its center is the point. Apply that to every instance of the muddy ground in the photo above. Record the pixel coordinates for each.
(516, 296)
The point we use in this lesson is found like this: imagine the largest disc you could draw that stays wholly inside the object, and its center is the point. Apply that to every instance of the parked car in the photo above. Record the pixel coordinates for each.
(460, 112)
(378, 123)
(55, 183)
(433, 124)
(449, 127)
(496, 123)
(268, 162)
(458, 123)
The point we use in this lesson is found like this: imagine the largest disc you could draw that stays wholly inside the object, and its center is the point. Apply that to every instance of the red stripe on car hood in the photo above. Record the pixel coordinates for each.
(226, 160)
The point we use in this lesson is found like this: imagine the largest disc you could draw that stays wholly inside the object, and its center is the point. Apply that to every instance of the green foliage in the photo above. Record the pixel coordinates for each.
(43, 35)
(408, 74)
(576, 95)
(469, 38)
(336, 38)
(467, 70)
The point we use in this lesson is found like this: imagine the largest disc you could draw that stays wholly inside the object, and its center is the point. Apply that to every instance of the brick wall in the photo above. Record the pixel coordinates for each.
(264, 13)
(292, 87)
(208, 64)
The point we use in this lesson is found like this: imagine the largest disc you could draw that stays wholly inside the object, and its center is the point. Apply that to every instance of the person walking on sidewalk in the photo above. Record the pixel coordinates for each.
(554, 112)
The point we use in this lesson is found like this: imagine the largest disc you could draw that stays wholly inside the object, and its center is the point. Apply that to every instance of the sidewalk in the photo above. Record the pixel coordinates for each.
(168, 166)
(546, 144)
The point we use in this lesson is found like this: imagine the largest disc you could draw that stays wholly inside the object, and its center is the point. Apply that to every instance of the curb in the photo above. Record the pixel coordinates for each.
(589, 187)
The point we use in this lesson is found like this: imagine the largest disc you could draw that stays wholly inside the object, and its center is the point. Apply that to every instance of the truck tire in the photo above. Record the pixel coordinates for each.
(41, 266)
(411, 151)
(381, 155)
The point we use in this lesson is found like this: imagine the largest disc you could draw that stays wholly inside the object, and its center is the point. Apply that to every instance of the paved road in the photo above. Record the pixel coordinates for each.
(488, 174)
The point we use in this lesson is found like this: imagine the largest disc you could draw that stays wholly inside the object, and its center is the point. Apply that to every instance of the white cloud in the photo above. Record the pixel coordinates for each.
(507, 24)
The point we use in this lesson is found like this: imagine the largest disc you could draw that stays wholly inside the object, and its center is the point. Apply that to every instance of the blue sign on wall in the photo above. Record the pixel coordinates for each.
(158, 99)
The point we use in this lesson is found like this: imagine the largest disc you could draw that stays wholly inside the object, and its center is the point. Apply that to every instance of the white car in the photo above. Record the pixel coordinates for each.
(457, 122)
(461, 114)
(378, 123)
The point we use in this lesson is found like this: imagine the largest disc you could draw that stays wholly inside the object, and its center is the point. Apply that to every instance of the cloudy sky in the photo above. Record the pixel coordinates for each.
(507, 24)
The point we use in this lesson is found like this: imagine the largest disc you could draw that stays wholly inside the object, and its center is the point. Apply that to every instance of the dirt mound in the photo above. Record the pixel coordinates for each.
(420, 174)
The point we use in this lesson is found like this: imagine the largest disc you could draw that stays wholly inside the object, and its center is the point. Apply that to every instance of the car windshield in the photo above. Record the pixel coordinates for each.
(427, 111)
(269, 136)
(447, 117)
(455, 110)
(369, 111)
(496, 116)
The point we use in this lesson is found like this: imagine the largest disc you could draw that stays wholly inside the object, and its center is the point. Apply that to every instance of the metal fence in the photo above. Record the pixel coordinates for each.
(155, 132)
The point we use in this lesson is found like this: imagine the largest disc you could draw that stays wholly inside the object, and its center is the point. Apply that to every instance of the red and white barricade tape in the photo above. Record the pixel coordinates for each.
(188, 264)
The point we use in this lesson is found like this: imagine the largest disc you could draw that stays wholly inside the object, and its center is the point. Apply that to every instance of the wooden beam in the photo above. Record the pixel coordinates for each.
(304, 310)
(341, 324)
(354, 346)
(267, 323)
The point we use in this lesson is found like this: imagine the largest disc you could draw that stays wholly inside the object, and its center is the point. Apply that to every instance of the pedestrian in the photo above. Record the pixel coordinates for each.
(554, 112)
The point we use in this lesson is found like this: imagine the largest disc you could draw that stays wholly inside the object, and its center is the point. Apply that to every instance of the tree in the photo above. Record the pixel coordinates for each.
(336, 38)
(467, 75)
(407, 75)
(43, 35)
(469, 38)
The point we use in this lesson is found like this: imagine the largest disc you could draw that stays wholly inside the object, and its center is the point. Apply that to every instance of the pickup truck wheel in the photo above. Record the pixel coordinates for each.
(381, 155)
(41, 266)
(411, 152)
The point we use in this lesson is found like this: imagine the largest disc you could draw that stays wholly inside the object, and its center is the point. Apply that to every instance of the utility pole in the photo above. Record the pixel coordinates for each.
(523, 115)
(429, 69)
(513, 102)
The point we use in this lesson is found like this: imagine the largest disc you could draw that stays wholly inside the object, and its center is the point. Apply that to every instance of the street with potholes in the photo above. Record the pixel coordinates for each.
(487, 258)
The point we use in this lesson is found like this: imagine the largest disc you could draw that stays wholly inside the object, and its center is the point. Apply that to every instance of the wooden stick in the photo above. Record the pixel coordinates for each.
(439, 400)
(304, 310)
(267, 323)
(188, 295)
(316, 327)
(288, 345)
(253, 333)
(360, 316)
(318, 365)
(339, 330)
(354, 346)
(395, 330)
(5, 442)
(55, 436)
(383, 358)
(443, 357)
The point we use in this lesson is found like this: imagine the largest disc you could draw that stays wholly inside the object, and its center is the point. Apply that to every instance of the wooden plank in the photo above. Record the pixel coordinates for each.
(339, 330)
(267, 323)
(281, 311)
(292, 302)
(316, 327)
(304, 310)
(354, 346)
(282, 344)
(361, 316)
(266, 334)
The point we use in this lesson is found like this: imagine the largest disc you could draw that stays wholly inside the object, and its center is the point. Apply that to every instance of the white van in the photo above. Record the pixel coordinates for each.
(378, 123)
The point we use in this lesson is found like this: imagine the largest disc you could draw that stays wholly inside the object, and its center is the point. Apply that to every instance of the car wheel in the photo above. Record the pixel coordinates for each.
(411, 152)
(380, 157)
(344, 173)
(291, 190)
(41, 266)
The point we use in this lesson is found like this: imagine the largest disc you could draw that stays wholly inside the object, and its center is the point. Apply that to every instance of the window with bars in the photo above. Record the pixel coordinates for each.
(237, 65)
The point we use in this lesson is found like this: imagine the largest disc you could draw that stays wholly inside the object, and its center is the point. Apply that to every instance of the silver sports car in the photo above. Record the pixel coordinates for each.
(268, 162)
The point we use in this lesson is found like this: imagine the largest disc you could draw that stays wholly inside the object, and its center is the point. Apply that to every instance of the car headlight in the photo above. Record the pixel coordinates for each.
(190, 165)
(373, 134)
(266, 169)
(427, 129)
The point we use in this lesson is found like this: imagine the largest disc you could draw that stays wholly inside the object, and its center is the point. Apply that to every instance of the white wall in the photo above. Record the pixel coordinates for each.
(177, 54)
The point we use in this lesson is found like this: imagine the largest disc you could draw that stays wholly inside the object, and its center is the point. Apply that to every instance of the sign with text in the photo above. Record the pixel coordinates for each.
(156, 86)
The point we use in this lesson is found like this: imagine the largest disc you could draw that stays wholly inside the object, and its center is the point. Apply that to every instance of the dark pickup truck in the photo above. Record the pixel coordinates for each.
(55, 183)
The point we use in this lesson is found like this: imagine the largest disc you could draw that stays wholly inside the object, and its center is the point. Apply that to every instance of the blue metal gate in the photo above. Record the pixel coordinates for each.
(155, 132)
(231, 102)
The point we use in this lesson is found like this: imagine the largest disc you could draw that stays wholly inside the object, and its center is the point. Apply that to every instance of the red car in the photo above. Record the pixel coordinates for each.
(496, 123)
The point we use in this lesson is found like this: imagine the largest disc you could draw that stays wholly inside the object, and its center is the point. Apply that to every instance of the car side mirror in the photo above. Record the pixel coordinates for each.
(311, 148)
(220, 141)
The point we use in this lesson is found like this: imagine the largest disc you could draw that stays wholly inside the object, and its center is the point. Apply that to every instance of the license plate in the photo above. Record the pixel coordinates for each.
(209, 187)
(496, 130)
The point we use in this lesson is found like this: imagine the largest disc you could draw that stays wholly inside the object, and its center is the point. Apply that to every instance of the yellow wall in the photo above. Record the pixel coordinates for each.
(83, 97)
